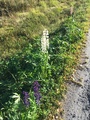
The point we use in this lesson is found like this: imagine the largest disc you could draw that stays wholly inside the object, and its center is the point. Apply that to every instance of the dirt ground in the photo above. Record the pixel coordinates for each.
(77, 102)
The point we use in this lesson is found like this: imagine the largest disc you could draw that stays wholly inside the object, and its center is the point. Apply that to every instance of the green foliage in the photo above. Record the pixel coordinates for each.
(71, 30)
(19, 71)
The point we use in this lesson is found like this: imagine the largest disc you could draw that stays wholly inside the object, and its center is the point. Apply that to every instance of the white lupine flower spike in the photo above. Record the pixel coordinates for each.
(45, 41)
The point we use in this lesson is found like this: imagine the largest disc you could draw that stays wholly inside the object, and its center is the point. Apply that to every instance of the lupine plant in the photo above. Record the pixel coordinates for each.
(45, 54)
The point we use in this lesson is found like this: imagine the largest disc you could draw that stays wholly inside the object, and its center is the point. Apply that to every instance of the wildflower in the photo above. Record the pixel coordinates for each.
(26, 99)
(38, 97)
(45, 41)
(36, 88)
(47, 38)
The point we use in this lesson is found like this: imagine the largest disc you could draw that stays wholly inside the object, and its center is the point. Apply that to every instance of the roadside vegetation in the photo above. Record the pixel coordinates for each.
(32, 82)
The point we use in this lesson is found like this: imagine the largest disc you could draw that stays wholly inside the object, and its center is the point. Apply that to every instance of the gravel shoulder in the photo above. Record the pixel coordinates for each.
(77, 102)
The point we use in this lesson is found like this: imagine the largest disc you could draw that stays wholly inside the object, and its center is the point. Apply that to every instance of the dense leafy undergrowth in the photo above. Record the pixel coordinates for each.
(31, 81)
(38, 75)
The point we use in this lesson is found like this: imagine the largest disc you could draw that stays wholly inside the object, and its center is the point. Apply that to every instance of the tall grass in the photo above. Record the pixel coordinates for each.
(15, 5)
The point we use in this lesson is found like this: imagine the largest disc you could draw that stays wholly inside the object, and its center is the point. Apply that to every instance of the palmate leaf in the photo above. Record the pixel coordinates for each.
(16, 97)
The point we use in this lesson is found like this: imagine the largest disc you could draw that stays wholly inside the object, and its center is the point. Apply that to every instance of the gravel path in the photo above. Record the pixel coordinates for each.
(77, 102)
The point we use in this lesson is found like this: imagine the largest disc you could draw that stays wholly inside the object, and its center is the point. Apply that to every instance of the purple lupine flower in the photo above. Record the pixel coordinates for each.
(26, 99)
(36, 84)
(36, 87)
(38, 97)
